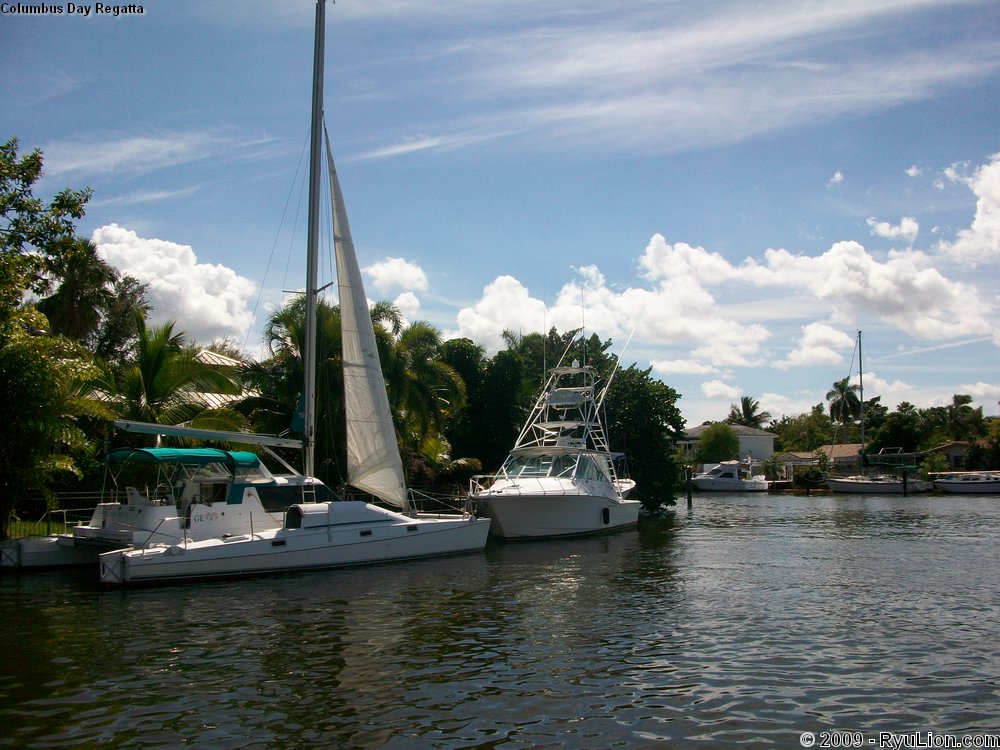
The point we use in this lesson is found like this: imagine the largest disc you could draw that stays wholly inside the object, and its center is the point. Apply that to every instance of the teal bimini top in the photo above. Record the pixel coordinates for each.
(200, 456)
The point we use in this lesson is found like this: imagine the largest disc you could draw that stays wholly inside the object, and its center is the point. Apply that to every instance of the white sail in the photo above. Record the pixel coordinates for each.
(373, 462)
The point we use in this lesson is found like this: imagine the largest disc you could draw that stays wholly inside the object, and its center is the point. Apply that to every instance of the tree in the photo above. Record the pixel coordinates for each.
(902, 429)
(845, 405)
(33, 236)
(718, 443)
(643, 421)
(46, 385)
(803, 432)
(964, 422)
(118, 333)
(163, 382)
(423, 388)
(748, 413)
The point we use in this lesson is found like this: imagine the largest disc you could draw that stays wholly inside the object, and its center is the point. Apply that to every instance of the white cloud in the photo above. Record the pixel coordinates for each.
(817, 346)
(914, 171)
(907, 230)
(647, 82)
(718, 389)
(408, 304)
(131, 154)
(903, 291)
(682, 367)
(838, 177)
(208, 301)
(505, 304)
(982, 393)
(979, 243)
(397, 273)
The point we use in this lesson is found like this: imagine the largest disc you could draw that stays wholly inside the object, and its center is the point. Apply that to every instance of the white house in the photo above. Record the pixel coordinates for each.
(755, 444)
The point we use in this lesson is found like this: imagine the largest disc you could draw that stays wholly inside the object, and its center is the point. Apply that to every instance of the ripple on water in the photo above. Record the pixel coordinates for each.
(743, 620)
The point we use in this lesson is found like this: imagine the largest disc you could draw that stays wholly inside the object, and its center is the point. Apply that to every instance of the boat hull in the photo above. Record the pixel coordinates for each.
(295, 549)
(968, 487)
(853, 486)
(528, 516)
(711, 484)
(54, 551)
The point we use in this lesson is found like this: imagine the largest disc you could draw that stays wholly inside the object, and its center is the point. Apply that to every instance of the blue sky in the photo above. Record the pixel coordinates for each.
(742, 186)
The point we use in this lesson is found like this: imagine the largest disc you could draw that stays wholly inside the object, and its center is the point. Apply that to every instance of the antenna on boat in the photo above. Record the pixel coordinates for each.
(618, 364)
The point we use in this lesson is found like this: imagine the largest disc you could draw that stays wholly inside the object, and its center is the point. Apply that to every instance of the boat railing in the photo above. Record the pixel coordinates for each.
(56, 521)
(437, 505)
(521, 485)
(156, 532)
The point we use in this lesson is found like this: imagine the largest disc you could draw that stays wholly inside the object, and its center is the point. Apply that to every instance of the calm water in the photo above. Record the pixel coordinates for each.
(744, 620)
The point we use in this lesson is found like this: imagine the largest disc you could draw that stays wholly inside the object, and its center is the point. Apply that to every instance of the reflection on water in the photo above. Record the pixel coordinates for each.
(739, 620)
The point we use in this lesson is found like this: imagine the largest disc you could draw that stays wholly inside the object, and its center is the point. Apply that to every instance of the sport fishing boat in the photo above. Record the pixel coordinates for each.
(728, 476)
(323, 534)
(560, 477)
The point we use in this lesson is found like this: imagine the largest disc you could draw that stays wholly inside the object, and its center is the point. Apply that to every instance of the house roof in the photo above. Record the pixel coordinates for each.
(841, 450)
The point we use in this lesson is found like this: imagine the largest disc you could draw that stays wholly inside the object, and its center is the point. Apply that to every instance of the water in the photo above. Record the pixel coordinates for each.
(744, 620)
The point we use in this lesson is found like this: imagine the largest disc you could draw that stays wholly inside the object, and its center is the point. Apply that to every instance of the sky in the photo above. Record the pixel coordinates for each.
(732, 189)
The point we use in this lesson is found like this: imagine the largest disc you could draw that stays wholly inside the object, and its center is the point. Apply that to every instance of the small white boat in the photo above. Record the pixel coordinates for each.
(560, 478)
(877, 484)
(315, 535)
(968, 482)
(728, 477)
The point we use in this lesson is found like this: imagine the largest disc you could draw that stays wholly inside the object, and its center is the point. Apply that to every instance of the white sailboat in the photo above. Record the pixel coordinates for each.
(878, 483)
(968, 482)
(336, 533)
(560, 477)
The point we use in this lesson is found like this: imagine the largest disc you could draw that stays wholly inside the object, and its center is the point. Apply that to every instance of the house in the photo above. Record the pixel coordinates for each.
(755, 444)
(845, 455)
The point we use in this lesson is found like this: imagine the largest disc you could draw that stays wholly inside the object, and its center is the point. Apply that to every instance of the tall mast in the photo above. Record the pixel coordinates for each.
(312, 258)
(861, 391)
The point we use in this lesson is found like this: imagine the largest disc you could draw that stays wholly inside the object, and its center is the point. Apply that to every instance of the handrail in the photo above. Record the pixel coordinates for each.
(156, 530)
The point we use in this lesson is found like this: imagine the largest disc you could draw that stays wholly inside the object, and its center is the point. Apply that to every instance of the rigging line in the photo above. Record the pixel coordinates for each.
(274, 245)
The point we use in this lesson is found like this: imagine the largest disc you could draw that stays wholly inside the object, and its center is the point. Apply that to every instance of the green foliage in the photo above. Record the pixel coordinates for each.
(747, 413)
(45, 386)
(901, 429)
(34, 237)
(933, 462)
(803, 432)
(845, 404)
(718, 443)
(643, 421)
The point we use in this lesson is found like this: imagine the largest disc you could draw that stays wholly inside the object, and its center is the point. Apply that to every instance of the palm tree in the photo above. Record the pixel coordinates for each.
(162, 383)
(844, 401)
(964, 422)
(746, 413)
(423, 389)
(74, 308)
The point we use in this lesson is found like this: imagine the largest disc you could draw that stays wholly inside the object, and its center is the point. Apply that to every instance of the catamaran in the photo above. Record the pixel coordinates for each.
(323, 534)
